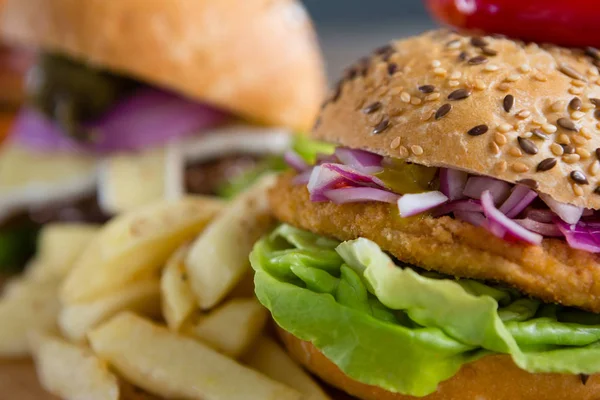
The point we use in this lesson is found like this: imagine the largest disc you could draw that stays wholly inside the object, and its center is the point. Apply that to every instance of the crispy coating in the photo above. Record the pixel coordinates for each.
(553, 272)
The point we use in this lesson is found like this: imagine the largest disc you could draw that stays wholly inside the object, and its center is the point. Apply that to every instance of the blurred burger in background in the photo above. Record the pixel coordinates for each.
(130, 102)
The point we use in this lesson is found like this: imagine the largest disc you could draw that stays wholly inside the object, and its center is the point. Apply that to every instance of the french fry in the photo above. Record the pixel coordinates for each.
(59, 245)
(233, 327)
(173, 366)
(269, 358)
(178, 301)
(70, 371)
(218, 259)
(135, 244)
(142, 297)
(31, 306)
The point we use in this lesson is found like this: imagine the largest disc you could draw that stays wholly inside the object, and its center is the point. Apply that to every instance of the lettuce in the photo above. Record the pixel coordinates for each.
(386, 324)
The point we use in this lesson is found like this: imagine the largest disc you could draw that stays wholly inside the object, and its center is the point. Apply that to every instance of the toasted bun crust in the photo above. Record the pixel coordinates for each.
(258, 58)
(378, 106)
(490, 378)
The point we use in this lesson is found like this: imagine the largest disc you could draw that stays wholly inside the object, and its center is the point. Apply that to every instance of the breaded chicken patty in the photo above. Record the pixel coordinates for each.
(553, 272)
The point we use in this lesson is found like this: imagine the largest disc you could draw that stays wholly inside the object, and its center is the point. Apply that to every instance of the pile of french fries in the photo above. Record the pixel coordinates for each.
(159, 299)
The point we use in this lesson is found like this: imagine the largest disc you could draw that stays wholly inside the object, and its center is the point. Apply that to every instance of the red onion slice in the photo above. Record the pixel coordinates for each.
(520, 197)
(295, 161)
(413, 204)
(476, 185)
(545, 229)
(501, 226)
(302, 178)
(474, 218)
(578, 237)
(148, 118)
(363, 161)
(458, 205)
(323, 179)
(545, 216)
(567, 212)
(360, 194)
(453, 182)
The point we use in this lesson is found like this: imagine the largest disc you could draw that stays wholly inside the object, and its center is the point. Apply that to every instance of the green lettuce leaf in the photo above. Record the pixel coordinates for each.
(388, 325)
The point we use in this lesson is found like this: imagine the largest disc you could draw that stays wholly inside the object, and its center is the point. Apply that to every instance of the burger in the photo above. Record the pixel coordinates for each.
(132, 101)
(448, 247)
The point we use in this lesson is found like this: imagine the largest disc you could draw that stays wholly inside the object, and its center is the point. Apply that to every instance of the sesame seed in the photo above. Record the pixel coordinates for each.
(453, 44)
(570, 72)
(575, 104)
(500, 139)
(525, 68)
(587, 107)
(463, 55)
(563, 139)
(402, 152)
(556, 149)
(504, 128)
(549, 128)
(436, 63)
(592, 52)
(538, 120)
(395, 91)
(546, 165)
(540, 77)
(571, 158)
(520, 167)
(576, 115)
(537, 133)
(405, 97)
(443, 111)
(527, 145)
(568, 149)
(428, 115)
(593, 71)
(478, 42)
(575, 90)
(512, 78)
(503, 87)
(577, 190)
(395, 143)
(459, 94)
(382, 126)
(491, 68)
(597, 114)
(440, 72)
(477, 60)
(557, 106)
(392, 69)
(432, 97)
(594, 168)
(371, 108)
(583, 153)
(532, 183)
(415, 101)
(515, 152)
(567, 124)
(480, 85)
(577, 83)
(579, 177)
(585, 132)
(595, 102)
(456, 75)
(427, 89)
(580, 140)
(417, 150)
(523, 114)
(494, 148)
(508, 102)
(453, 83)
(501, 166)
(478, 130)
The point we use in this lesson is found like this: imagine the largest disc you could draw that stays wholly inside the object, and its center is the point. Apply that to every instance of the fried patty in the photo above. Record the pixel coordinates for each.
(553, 272)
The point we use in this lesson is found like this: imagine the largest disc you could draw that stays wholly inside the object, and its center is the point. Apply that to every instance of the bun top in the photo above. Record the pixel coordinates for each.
(490, 106)
(257, 58)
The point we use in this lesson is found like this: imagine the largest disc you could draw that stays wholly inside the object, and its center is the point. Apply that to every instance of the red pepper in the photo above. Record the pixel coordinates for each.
(573, 23)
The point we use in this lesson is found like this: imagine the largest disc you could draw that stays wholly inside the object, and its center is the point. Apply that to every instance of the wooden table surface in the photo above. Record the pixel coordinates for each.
(19, 382)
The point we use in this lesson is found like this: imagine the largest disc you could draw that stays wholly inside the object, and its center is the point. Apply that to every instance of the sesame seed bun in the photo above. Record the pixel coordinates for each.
(256, 58)
(490, 106)
(493, 377)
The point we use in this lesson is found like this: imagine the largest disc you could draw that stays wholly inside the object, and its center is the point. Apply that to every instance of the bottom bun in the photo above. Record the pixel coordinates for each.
(493, 377)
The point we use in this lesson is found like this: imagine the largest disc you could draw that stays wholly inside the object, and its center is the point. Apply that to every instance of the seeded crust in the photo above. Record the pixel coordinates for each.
(490, 378)
(553, 272)
(256, 58)
(448, 99)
